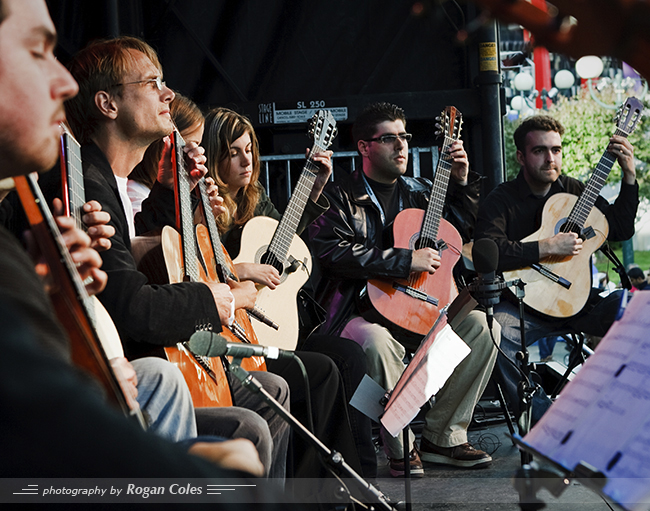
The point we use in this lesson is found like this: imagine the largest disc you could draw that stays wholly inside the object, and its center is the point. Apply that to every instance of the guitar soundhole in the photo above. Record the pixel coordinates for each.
(426, 242)
(263, 256)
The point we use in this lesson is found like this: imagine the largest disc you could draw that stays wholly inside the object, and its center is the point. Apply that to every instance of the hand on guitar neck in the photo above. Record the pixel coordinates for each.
(85, 258)
(562, 244)
(194, 163)
(324, 161)
(624, 151)
(425, 260)
(97, 222)
(216, 201)
(460, 162)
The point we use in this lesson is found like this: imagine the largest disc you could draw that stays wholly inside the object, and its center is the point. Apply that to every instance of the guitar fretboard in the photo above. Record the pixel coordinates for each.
(283, 236)
(185, 217)
(431, 222)
(582, 208)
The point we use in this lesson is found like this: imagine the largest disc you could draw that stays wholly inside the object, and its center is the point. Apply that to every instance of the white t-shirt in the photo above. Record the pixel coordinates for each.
(126, 204)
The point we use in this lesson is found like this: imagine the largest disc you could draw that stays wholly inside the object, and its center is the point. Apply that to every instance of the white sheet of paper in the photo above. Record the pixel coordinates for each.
(436, 366)
(602, 417)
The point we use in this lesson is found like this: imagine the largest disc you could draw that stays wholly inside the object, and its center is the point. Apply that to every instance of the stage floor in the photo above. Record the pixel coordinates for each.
(489, 489)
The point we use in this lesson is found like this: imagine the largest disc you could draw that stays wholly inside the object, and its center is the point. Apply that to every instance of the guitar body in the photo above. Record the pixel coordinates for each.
(280, 304)
(398, 307)
(544, 295)
(205, 390)
(241, 317)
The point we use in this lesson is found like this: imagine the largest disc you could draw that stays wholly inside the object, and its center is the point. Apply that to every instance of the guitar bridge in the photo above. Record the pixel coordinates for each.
(587, 233)
(415, 293)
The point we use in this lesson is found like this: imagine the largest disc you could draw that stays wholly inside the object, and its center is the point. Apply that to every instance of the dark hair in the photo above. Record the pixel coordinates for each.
(536, 123)
(636, 273)
(3, 11)
(98, 67)
(187, 116)
(372, 115)
(222, 127)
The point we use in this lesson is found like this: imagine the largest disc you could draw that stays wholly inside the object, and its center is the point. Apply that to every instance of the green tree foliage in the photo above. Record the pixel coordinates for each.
(588, 129)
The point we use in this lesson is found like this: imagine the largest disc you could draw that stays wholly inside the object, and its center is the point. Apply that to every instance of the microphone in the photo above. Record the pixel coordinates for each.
(210, 344)
(487, 287)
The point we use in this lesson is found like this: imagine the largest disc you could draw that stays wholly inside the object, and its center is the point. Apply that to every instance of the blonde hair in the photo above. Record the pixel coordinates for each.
(222, 127)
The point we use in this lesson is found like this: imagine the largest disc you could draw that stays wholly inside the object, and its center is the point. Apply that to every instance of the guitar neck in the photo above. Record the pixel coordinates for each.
(72, 304)
(184, 213)
(288, 226)
(213, 231)
(72, 178)
(431, 222)
(587, 199)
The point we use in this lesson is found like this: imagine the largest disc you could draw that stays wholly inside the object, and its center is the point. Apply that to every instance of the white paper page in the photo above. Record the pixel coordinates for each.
(437, 365)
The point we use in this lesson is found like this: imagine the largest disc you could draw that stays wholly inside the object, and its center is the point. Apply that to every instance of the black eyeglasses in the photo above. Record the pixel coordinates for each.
(391, 139)
(158, 81)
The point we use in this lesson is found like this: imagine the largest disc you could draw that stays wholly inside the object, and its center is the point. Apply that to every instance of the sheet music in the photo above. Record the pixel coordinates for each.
(602, 417)
(434, 362)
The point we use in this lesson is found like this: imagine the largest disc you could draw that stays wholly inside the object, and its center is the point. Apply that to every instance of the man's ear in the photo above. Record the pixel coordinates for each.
(520, 157)
(105, 104)
(362, 146)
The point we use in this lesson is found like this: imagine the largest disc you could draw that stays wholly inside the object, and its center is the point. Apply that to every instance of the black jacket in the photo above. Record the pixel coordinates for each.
(348, 239)
(145, 315)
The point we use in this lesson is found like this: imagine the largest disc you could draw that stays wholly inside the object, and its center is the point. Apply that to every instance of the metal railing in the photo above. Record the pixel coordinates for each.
(341, 160)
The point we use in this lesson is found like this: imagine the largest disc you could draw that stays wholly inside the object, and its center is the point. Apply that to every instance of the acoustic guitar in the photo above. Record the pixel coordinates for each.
(220, 268)
(414, 304)
(267, 241)
(74, 308)
(559, 286)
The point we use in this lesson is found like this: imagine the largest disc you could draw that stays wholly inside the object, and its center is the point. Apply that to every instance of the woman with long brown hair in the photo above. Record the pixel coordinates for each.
(233, 161)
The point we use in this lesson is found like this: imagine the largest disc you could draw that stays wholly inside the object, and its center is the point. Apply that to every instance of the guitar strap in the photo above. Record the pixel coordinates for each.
(618, 265)
(375, 201)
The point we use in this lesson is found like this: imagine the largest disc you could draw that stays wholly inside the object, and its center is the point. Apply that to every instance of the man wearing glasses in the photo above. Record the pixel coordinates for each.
(353, 243)
(122, 107)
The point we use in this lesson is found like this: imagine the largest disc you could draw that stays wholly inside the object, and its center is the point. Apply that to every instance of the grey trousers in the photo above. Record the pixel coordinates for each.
(447, 421)
(252, 418)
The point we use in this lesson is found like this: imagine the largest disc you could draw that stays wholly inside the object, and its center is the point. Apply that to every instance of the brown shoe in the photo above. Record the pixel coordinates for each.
(463, 455)
(415, 465)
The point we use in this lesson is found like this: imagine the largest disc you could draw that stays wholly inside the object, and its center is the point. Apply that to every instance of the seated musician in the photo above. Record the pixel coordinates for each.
(350, 243)
(233, 161)
(122, 107)
(327, 396)
(513, 210)
(54, 422)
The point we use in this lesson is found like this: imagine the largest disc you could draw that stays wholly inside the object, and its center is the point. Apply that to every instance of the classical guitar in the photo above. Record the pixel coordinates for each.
(183, 265)
(73, 306)
(220, 268)
(74, 197)
(266, 241)
(559, 286)
(414, 304)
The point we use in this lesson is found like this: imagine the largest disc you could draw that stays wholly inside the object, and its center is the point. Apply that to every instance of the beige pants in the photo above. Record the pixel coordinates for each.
(447, 421)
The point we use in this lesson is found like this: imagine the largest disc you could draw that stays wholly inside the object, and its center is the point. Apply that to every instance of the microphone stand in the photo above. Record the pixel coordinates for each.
(489, 295)
(525, 388)
(333, 460)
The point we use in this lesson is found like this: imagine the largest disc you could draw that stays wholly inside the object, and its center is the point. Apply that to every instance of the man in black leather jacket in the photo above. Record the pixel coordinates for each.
(353, 243)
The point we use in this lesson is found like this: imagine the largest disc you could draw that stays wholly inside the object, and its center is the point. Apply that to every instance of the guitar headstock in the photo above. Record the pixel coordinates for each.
(628, 116)
(450, 122)
(322, 128)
